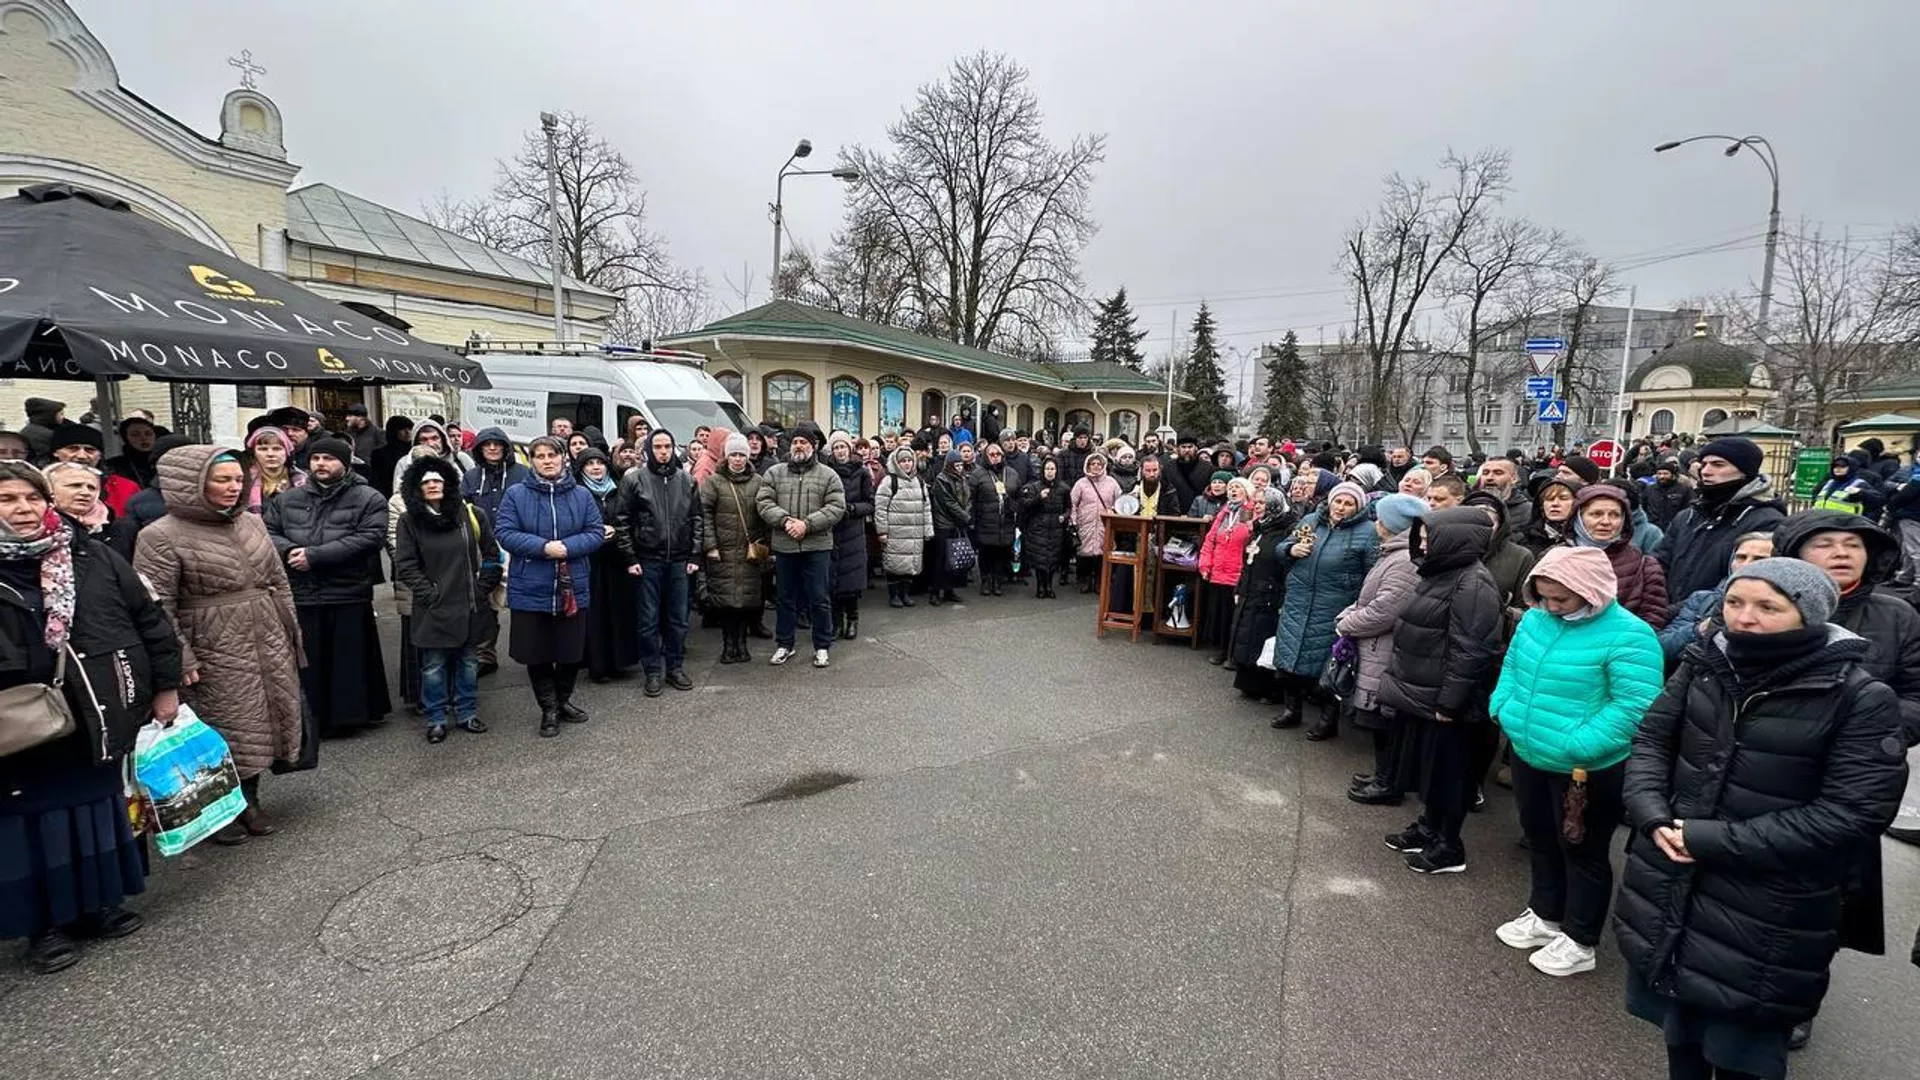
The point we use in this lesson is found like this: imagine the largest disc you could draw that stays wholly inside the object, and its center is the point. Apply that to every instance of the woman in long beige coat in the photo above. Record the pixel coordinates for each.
(215, 571)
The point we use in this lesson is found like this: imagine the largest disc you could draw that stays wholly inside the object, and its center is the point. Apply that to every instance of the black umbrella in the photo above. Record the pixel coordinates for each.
(89, 289)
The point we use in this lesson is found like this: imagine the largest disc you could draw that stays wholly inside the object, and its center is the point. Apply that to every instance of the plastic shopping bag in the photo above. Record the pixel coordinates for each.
(188, 786)
(1266, 655)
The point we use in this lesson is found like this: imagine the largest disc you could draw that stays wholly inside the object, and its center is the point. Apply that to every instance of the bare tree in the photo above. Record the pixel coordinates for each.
(1393, 256)
(604, 239)
(1498, 278)
(1585, 281)
(682, 302)
(986, 214)
(1842, 316)
(864, 273)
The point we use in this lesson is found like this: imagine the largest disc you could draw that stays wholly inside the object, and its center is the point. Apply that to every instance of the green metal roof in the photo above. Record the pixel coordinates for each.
(1891, 388)
(792, 320)
(1713, 365)
(1884, 420)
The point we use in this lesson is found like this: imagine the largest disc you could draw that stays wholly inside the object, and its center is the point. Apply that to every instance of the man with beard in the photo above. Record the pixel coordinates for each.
(656, 523)
(1501, 476)
(1734, 497)
(801, 502)
(330, 534)
(1669, 493)
(365, 439)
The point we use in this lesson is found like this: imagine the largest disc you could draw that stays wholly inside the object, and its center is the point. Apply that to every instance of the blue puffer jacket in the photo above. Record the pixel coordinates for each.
(1571, 693)
(1319, 587)
(1684, 630)
(534, 512)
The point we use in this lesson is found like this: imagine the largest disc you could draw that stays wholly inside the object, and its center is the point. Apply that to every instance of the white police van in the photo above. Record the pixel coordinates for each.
(601, 386)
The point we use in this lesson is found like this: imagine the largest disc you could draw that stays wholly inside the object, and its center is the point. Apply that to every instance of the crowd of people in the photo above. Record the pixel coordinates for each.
(1668, 652)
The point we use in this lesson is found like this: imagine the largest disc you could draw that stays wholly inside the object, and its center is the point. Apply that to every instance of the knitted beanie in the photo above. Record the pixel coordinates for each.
(1806, 585)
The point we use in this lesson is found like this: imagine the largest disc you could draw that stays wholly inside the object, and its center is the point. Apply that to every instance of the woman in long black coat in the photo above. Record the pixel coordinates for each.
(1731, 908)
(1258, 596)
(1043, 510)
(849, 577)
(613, 622)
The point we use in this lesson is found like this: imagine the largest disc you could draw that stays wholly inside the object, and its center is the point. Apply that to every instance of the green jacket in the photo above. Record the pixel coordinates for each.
(814, 495)
(1571, 693)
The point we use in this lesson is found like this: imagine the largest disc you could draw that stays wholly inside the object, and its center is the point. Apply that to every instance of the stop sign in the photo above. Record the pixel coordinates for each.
(1604, 453)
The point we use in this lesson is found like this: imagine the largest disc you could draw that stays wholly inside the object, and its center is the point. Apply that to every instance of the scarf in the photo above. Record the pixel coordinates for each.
(1759, 660)
(1714, 496)
(54, 549)
(599, 487)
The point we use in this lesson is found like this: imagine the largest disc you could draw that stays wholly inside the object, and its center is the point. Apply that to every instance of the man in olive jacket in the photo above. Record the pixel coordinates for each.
(801, 502)
(330, 534)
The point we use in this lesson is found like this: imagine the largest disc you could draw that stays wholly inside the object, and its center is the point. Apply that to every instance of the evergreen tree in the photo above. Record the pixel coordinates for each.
(1285, 410)
(1204, 413)
(1116, 334)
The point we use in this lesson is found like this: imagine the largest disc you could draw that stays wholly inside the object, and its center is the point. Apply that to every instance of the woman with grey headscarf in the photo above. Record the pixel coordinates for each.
(1258, 596)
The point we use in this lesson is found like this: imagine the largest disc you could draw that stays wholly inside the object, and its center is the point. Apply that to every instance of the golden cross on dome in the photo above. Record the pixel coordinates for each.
(248, 68)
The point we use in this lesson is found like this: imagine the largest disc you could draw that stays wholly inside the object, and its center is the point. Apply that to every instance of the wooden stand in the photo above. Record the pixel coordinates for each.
(1172, 575)
(1117, 528)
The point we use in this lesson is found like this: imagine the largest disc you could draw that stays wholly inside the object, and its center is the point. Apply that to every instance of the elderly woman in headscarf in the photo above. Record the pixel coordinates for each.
(68, 605)
(1091, 495)
(75, 490)
(1329, 559)
(1258, 596)
(214, 570)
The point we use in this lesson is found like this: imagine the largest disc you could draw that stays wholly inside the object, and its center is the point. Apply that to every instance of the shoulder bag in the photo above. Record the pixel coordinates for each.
(35, 713)
(757, 550)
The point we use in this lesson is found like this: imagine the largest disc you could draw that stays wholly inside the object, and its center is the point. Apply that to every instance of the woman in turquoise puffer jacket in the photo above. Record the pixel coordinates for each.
(1578, 676)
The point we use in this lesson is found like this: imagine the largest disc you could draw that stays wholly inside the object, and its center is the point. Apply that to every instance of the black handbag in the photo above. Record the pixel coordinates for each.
(1340, 677)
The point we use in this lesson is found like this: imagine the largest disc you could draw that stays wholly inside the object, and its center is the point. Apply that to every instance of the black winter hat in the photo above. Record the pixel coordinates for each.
(810, 431)
(1327, 461)
(333, 448)
(72, 434)
(1373, 454)
(1587, 470)
(1742, 454)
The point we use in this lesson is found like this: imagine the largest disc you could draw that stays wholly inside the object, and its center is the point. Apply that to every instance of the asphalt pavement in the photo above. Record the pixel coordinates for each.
(982, 843)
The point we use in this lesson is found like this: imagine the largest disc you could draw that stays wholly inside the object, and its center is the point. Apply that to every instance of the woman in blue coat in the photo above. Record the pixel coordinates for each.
(1326, 564)
(551, 526)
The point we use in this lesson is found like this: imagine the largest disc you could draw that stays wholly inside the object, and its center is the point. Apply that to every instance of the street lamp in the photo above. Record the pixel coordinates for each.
(844, 173)
(1763, 150)
(550, 124)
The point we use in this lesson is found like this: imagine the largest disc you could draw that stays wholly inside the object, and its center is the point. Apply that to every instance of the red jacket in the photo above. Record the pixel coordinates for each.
(115, 491)
(1224, 552)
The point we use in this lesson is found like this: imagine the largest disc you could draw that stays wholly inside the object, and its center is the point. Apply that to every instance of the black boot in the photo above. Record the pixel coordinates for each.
(996, 585)
(853, 617)
(906, 594)
(563, 680)
(1290, 716)
(740, 653)
(896, 594)
(986, 583)
(1327, 726)
(545, 694)
(758, 628)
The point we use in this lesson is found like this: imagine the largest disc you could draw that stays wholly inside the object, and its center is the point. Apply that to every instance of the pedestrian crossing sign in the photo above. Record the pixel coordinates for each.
(1552, 412)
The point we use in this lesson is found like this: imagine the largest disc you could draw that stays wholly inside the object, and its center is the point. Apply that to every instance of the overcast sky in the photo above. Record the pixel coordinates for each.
(1242, 136)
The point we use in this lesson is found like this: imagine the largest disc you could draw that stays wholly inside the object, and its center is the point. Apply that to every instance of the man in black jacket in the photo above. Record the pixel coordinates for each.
(330, 533)
(1446, 655)
(656, 522)
(1667, 495)
(1734, 497)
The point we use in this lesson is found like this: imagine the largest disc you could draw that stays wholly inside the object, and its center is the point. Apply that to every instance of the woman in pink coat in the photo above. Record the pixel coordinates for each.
(1222, 554)
(1093, 494)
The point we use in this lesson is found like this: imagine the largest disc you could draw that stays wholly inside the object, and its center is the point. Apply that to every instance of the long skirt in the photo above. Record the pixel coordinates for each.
(542, 638)
(346, 677)
(1216, 615)
(613, 626)
(62, 862)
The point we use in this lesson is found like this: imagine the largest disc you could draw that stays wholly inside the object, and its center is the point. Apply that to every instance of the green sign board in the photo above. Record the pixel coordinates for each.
(1810, 467)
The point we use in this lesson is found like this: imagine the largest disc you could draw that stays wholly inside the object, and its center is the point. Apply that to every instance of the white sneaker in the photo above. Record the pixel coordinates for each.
(780, 656)
(1562, 956)
(1527, 931)
(820, 658)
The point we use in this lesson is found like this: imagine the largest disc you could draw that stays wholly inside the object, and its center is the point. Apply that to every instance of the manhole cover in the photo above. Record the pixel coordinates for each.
(420, 913)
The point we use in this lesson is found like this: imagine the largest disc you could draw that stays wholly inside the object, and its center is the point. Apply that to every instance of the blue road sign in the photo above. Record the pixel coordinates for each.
(1546, 345)
(1553, 411)
(1540, 387)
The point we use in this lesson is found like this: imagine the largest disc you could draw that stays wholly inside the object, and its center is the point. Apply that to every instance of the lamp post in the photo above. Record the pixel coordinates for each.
(550, 124)
(1763, 150)
(845, 173)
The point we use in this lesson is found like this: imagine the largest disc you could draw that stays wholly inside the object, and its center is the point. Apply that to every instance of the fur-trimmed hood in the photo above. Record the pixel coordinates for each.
(452, 505)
